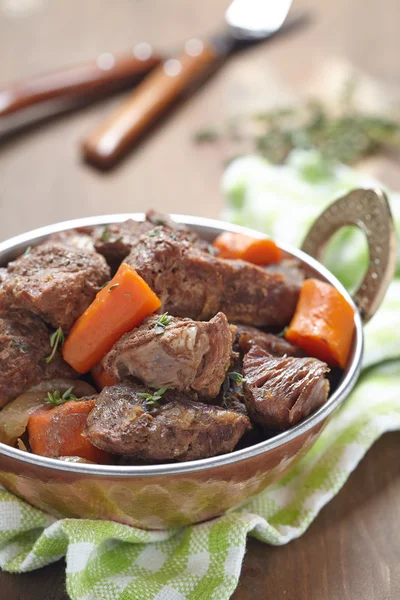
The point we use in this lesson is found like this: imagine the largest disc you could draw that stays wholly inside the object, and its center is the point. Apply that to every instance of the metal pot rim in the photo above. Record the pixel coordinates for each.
(18, 243)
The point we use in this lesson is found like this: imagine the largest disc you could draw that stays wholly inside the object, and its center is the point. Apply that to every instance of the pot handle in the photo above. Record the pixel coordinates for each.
(369, 210)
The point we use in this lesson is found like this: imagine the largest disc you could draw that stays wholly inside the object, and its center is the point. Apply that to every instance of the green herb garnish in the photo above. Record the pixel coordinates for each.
(112, 287)
(27, 251)
(119, 239)
(57, 399)
(152, 400)
(56, 340)
(18, 346)
(237, 377)
(155, 232)
(162, 323)
(345, 135)
(105, 236)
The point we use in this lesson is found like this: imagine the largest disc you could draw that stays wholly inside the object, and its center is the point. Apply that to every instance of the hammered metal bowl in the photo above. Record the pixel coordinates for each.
(161, 496)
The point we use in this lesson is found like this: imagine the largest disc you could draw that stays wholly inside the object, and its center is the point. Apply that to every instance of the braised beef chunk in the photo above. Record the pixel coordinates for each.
(165, 221)
(54, 281)
(115, 241)
(231, 395)
(180, 353)
(177, 429)
(291, 269)
(274, 344)
(281, 391)
(75, 238)
(192, 283)
(24, 345)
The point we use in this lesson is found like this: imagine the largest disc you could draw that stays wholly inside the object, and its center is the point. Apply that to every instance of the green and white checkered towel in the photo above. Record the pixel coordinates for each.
(109, 561)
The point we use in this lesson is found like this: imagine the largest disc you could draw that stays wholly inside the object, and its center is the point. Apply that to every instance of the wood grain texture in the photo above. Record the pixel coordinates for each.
(351, 551)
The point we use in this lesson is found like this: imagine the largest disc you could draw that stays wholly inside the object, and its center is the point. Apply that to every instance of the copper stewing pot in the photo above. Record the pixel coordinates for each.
(161, 496)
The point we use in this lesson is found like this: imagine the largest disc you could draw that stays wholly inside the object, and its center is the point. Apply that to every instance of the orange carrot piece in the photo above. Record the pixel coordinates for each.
(239, 246)
(119, 307)
(323, 324)
(57, 431)
(101, 378)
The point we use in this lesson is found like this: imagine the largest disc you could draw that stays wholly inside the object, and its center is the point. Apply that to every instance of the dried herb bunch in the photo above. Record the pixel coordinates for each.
(343, 135)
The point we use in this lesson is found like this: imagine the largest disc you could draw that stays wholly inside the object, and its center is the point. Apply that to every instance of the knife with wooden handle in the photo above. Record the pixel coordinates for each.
(107, 70)
(105, 145)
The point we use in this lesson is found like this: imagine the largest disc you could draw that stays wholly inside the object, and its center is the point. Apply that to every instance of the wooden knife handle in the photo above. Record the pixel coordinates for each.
(107, 69)
(106, 144)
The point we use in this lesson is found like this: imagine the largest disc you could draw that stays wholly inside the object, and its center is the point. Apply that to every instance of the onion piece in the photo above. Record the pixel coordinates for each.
(15, 415)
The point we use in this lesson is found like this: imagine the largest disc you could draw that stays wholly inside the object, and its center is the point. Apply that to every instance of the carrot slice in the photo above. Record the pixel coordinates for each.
(119, 307)
(239, 246)
(323, 324)
(57, 431)
(101, 378)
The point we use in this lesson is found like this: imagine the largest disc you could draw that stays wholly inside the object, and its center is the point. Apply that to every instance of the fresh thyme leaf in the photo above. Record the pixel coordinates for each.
(57, 399)
(262, 392)
(155, 232)
(119, 239)
(161, 323)
(237, 377)
(18, 346)
(152, 400)
(27, 251)
(56, 340)
(112, 287)
(127, 294)
(105, 236)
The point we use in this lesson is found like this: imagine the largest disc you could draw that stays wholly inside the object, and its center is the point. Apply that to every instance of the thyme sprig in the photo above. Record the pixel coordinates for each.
(345, 135)
(237, 377)
(152, 400)
(56, 341)
(161, 323)
(56, 398)
(105, 236)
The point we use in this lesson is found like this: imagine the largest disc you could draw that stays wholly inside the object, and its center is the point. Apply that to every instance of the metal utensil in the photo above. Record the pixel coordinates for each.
(176, 494)
(248, 21)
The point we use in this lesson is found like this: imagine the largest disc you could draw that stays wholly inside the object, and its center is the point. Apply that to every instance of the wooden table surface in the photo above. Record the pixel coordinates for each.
(352, 550)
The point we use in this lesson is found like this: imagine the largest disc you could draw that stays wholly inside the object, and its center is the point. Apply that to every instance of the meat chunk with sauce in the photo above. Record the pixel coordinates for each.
(279, 392)
(290, 268)
(178, 429)
(54, 281)
(274, 344)
(192, 283)
(75, 238)
(116, 240)
(182, 354)
(24, 346)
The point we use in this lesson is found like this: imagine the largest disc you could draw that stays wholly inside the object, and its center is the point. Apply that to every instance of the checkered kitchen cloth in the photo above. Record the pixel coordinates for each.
(109, 561)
